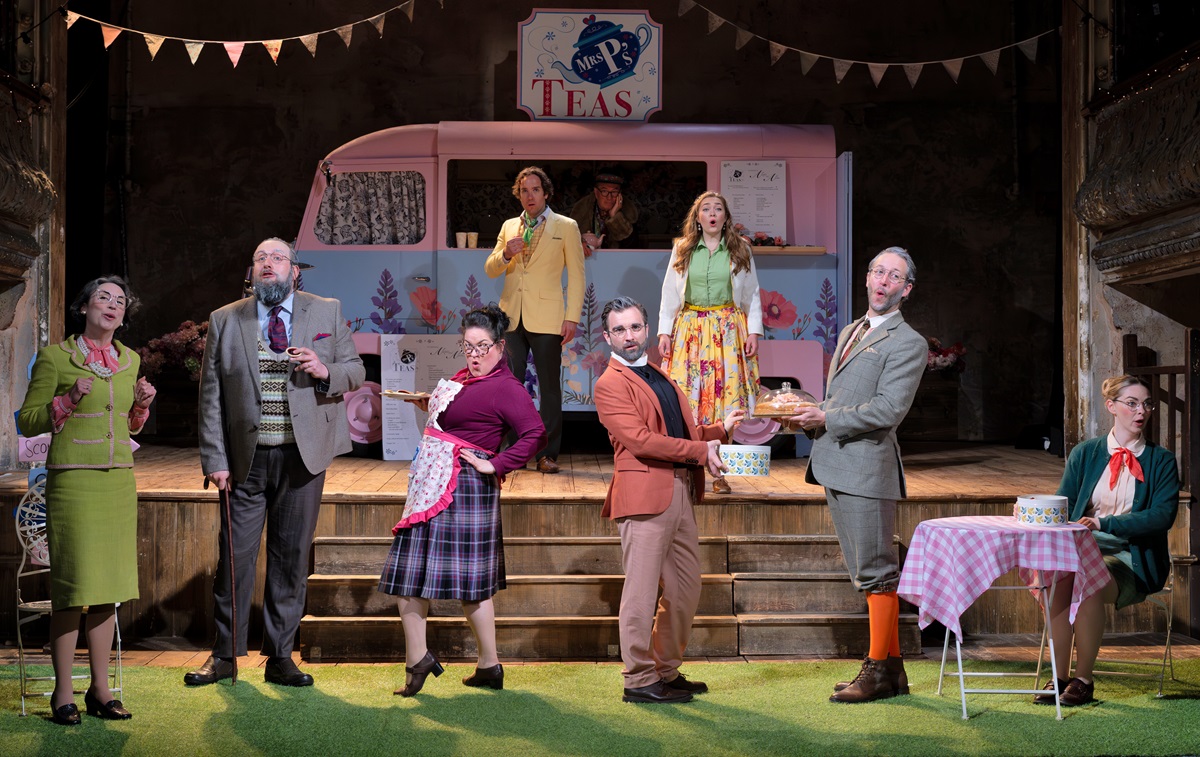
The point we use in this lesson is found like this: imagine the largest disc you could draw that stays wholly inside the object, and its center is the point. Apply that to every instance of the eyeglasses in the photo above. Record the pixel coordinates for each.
(892, 276)
(476, 349)
(278, 258)
(620, 331)
(1133, 405)
(104, 298)
(609, 192)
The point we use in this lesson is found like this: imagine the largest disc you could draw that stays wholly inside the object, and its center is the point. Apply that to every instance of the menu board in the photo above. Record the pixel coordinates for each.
(413, 362)
(757, 195)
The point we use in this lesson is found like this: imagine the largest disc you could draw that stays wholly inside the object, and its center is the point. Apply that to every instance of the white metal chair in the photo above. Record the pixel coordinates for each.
(30, 517)
(1165, 601)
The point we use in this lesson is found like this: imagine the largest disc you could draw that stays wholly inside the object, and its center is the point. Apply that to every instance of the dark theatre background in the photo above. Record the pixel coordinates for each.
(178, 170)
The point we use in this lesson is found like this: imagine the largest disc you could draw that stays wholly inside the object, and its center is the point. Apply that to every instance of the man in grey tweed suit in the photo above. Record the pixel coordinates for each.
(272, 419)
(872, 380)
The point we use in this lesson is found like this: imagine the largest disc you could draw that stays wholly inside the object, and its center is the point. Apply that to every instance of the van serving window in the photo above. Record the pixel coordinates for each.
(372, 207)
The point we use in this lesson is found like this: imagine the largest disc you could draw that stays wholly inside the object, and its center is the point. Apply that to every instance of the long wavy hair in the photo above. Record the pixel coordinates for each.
(690, 237)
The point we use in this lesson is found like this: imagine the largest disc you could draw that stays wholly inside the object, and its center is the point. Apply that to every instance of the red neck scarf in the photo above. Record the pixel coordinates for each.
(1123, 457)
(101, 355)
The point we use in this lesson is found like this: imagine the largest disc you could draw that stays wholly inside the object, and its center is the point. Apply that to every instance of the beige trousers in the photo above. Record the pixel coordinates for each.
(659, 551)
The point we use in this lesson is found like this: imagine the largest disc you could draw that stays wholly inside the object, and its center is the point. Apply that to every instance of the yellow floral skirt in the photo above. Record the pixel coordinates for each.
(709, 363)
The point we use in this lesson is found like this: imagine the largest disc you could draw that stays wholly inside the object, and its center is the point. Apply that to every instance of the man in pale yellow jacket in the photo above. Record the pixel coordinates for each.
(531, 253)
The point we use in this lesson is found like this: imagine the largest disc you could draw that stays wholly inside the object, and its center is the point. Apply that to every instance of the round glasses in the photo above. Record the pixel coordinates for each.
(1133, 405)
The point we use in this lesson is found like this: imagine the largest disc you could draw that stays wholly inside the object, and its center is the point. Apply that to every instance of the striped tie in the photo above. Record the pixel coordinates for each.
(863, 327)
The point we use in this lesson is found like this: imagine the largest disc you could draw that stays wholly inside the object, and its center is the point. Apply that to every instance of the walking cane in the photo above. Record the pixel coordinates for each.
(224, 495)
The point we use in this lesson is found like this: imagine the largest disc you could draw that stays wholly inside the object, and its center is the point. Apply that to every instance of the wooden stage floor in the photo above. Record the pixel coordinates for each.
(948, 471)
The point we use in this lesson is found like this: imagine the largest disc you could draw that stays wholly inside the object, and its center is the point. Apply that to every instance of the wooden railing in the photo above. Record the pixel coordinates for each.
(1175, 392)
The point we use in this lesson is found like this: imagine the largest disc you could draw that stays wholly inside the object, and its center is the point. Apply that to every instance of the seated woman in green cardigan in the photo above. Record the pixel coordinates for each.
(1126, 490)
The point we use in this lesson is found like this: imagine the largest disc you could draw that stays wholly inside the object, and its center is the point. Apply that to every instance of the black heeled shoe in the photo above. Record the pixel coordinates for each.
(114, 710)
(419, 672)
(68, 714)
(492, 677)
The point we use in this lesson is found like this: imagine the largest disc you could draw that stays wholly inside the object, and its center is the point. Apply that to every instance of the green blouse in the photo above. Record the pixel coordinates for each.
(709, 282)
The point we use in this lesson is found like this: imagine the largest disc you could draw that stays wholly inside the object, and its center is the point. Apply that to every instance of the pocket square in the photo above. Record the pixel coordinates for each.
(319, 337)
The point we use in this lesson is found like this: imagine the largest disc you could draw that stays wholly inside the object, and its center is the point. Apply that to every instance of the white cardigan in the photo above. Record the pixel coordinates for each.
(745, 296)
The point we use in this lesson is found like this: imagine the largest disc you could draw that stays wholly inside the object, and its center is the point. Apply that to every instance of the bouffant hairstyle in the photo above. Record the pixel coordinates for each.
(1112, 387)
(490, 318)
(85, 296)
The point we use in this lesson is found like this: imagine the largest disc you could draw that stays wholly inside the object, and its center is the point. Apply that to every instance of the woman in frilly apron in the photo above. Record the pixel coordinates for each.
(448, 542)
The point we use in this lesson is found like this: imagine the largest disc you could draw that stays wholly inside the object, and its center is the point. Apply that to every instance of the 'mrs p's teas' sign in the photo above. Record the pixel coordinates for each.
(589, 65)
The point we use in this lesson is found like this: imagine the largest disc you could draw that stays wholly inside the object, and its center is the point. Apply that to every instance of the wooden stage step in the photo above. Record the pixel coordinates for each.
(526, 596)
(523, 555)
(373, 639)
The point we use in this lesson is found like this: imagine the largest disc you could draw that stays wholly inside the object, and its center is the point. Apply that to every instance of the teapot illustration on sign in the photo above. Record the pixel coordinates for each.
(605, 55)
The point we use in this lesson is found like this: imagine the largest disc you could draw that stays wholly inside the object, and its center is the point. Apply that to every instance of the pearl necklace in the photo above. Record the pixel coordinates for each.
(96, 368)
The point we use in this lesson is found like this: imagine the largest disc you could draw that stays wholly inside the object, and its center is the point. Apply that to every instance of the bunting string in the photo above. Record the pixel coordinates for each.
(841, 66)
(235, 48)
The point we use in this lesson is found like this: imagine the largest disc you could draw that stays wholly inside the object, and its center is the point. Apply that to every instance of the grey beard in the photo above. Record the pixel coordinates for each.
(272, 294)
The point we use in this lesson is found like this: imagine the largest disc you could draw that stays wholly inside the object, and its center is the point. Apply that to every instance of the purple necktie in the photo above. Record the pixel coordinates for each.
(276, 332)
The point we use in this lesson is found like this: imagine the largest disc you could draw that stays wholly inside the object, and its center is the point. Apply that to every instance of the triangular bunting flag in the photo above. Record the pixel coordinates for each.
(273, 46)
(153, 43)
(72, 17)
(714, 22)
(877, 71)
(1029, 47)
(741, 38)
(110, 34)
(310, 43)
(408, 8)
(685, 6)
(377, 22)
(193, 49)
(953, 67)
(991, 60)
(807, 60)
(840, 67)
(234, 50)
(777, 51)
(345, 32)
(913, 72)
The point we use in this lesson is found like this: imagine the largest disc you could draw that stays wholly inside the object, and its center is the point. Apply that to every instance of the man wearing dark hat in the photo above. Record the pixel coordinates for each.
(605, 217)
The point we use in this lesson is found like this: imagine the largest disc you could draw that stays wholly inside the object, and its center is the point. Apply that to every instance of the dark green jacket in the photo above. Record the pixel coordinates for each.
(1155, 503)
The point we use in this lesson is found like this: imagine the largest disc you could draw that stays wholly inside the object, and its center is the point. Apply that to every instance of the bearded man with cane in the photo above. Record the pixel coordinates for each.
(271, 420)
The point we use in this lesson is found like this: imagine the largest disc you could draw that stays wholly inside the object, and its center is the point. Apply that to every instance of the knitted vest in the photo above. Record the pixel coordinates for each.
(275, 427)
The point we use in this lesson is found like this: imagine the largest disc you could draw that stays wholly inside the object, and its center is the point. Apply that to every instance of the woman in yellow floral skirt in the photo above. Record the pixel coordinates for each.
(710, 318)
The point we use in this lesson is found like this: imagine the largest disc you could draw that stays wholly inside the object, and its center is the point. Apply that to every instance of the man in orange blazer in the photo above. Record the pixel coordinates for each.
(658, 474)
(531, 253)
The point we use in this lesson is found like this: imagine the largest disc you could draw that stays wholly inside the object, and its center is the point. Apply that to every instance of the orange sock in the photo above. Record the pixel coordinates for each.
(884, 613)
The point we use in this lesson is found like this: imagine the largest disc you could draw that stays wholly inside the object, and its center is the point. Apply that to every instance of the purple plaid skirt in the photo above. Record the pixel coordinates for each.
(457, 554)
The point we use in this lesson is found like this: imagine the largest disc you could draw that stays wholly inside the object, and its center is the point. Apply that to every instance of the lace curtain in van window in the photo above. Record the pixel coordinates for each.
(374, 207)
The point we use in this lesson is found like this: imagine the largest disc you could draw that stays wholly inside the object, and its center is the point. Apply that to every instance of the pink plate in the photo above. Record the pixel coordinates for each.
(365, 413)
(756, 431)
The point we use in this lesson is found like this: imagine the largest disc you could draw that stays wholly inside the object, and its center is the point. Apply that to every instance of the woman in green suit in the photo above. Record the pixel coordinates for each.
(1126, 490)
(86, 392)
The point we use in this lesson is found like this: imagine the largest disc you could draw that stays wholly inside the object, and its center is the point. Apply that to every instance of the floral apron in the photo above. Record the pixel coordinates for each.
(433, 475)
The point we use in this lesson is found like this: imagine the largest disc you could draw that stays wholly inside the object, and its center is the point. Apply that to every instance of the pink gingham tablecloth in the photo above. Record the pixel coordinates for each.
(952, 561)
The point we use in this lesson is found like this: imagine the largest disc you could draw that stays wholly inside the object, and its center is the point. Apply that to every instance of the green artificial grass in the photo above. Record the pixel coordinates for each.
(576, 709)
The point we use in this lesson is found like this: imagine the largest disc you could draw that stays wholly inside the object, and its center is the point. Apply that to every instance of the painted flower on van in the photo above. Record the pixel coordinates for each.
(471, 298)
(424, 299)
(777, 311)
(595, 361)
(826, 315)
(387, 301)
